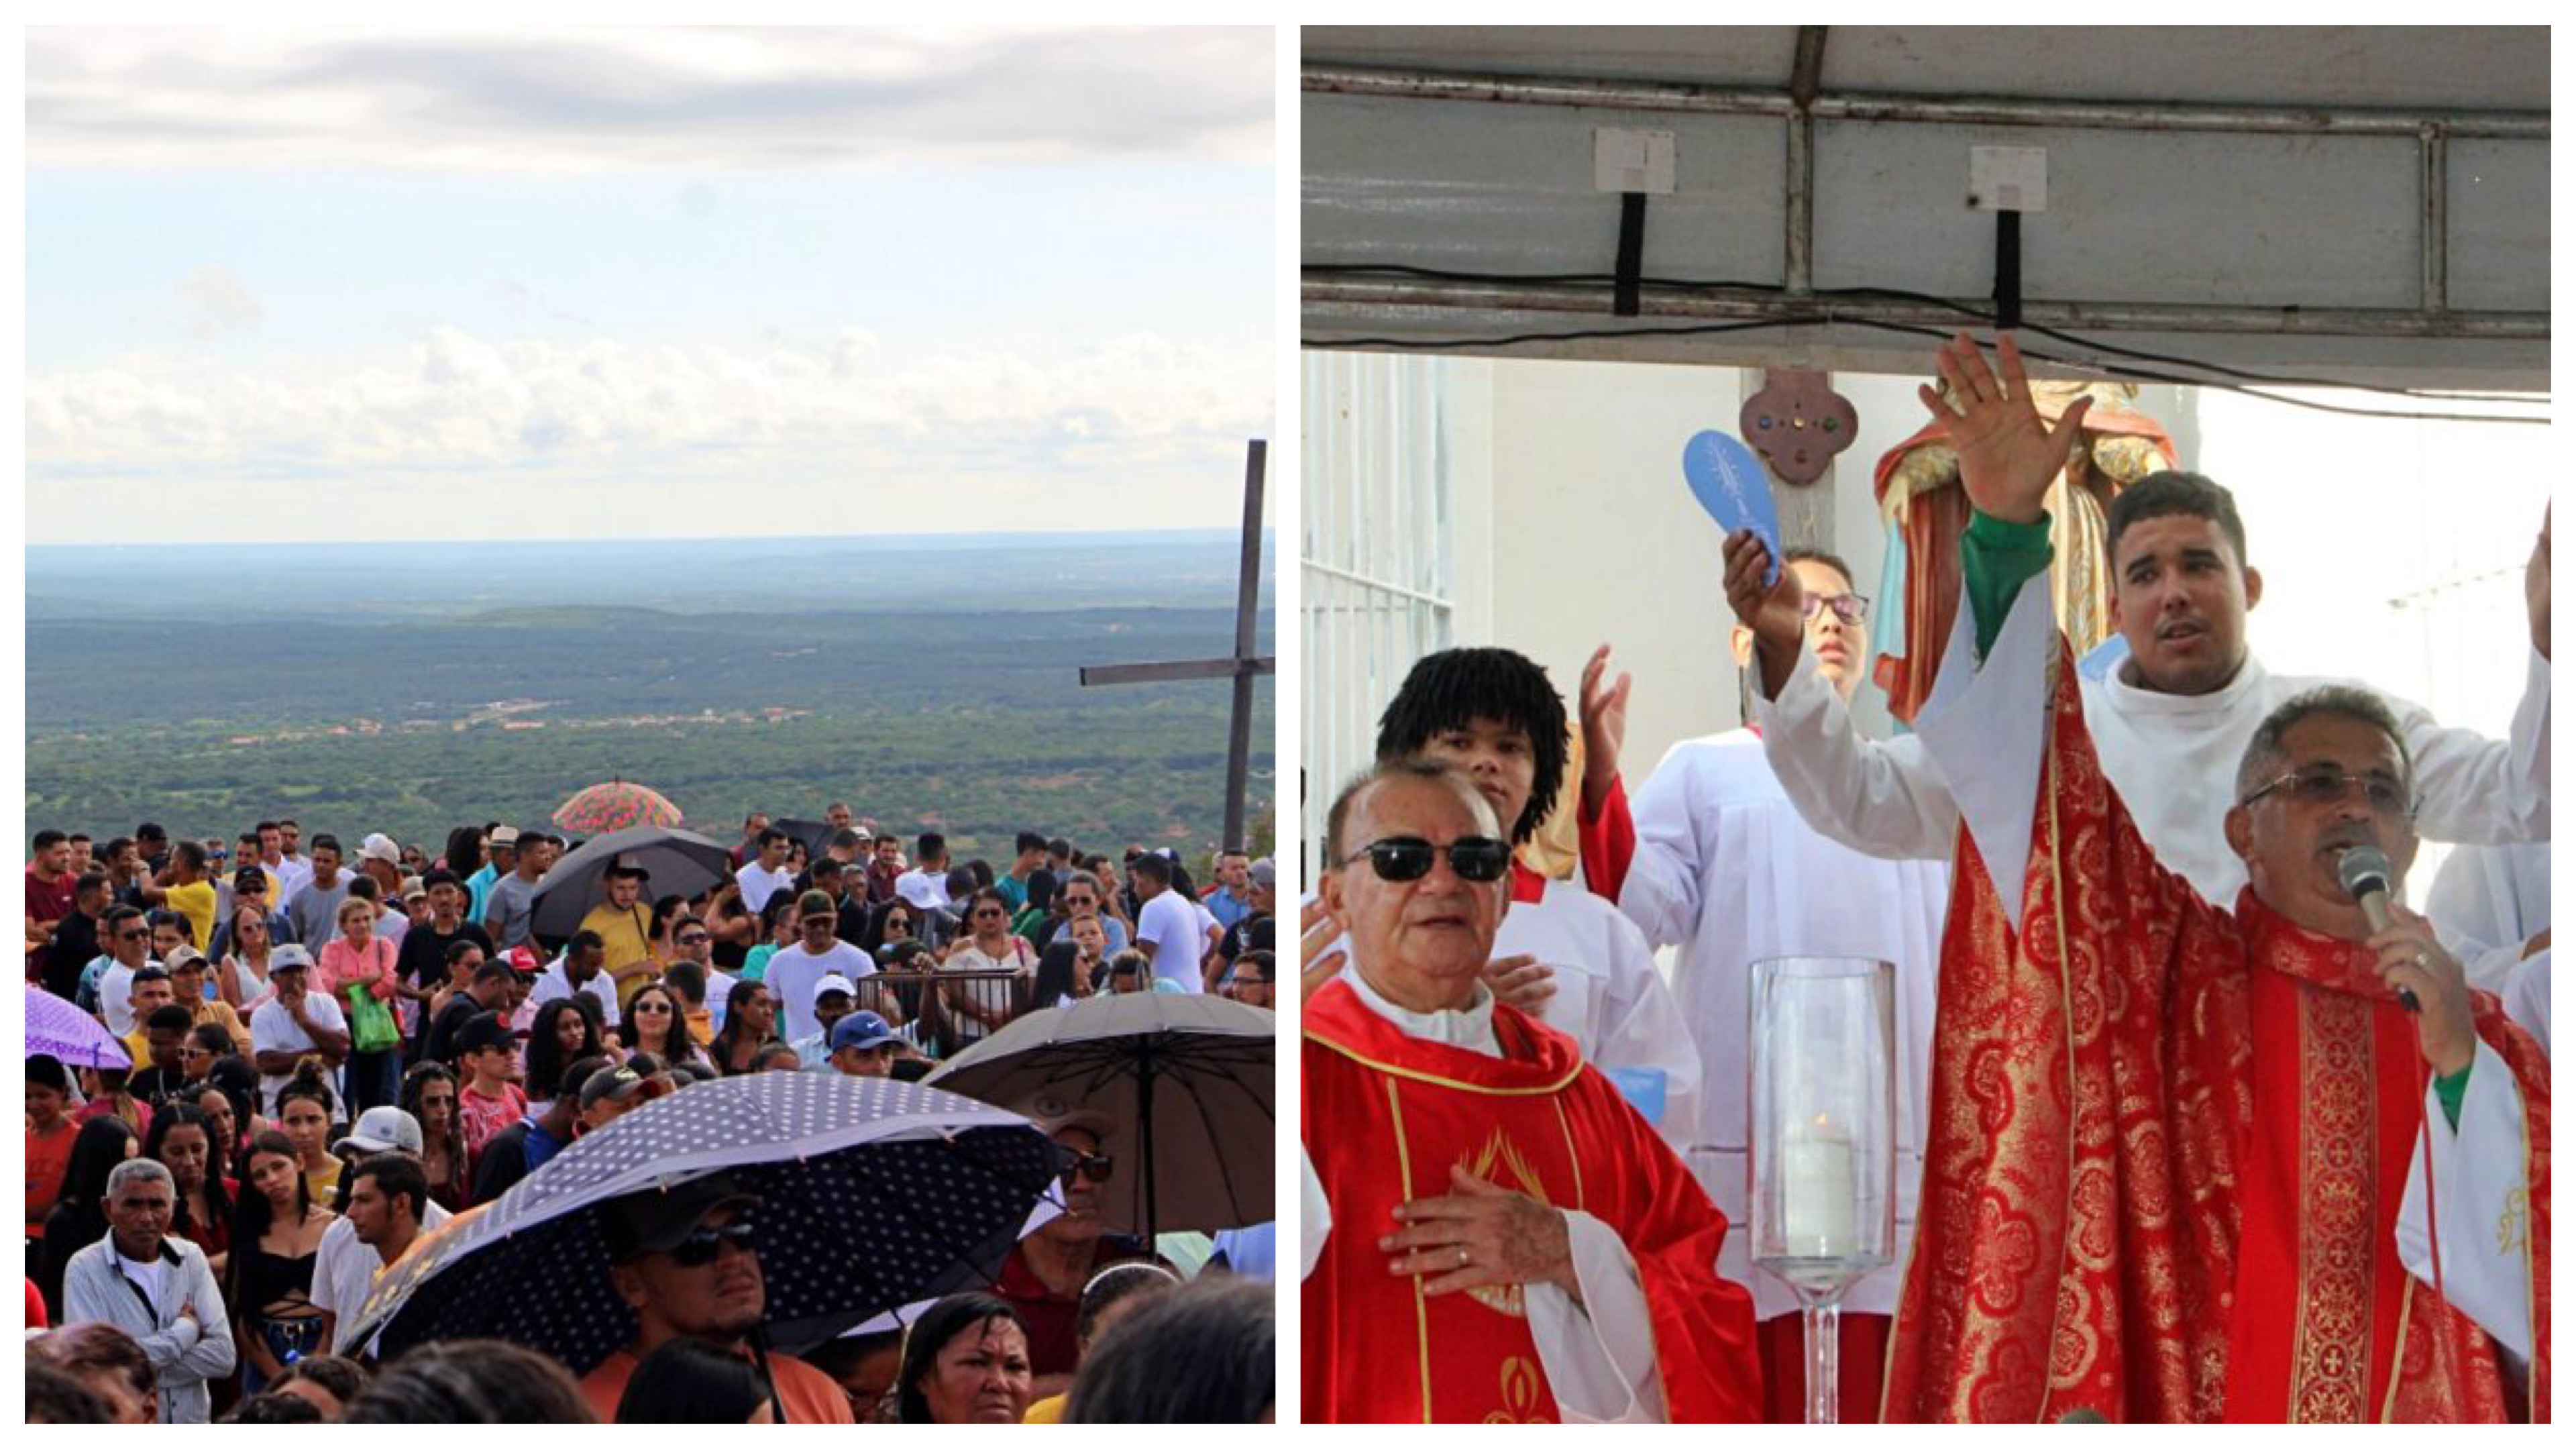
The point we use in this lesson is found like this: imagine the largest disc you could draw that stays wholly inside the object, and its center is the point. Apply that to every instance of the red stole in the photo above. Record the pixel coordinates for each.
(2167, 1150)
(1385, 1116)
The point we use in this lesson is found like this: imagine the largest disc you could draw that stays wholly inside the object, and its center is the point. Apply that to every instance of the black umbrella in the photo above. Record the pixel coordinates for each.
(814, 834)
(1186, 1081)
(680, 862)
(874, 1194)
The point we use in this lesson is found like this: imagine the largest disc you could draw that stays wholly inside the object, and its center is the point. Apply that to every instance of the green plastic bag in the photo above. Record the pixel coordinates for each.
(371, 1022)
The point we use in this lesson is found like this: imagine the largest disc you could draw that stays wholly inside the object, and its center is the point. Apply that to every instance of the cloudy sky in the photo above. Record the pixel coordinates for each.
(339, 285)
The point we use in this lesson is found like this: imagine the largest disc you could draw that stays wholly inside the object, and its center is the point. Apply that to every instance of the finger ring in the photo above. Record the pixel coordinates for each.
(2423, 958)
(1462, 1257)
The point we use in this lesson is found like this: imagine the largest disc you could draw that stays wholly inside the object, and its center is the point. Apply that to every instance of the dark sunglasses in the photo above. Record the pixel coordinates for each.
(135, 935)
(1478, 858)
(1091, 1166)
(698, 1249)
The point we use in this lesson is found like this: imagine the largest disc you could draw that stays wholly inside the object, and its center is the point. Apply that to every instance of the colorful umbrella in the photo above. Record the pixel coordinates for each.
(1186, 1081)
(616, 805)
(58, 1029)
(874, 1194)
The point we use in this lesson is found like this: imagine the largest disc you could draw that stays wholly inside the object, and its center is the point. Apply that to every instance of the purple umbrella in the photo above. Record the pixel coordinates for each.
(58, 1029)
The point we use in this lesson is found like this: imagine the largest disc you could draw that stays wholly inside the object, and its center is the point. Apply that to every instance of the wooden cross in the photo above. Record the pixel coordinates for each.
(1240, 667)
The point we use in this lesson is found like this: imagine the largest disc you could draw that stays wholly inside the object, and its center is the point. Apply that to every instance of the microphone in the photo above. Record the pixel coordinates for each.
(2363, 872)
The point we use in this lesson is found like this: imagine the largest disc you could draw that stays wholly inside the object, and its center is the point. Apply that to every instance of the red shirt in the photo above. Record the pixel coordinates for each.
(1053, 1347)
(49, 1156)
(49, 903)
(485, 1118)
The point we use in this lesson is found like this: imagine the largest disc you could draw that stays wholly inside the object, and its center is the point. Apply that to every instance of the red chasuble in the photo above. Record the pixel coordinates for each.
(2166, 1151)
(1385, 1116)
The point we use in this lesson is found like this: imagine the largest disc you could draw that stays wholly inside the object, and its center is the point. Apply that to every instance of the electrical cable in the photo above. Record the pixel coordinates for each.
(1440, 274)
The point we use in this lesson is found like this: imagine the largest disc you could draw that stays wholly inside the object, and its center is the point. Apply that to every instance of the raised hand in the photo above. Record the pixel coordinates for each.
(2007, 455)
(1776, 614)
(1520, 982)
(1605, 726)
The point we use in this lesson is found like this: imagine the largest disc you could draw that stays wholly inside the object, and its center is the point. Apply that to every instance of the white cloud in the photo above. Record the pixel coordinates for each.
(569, 100)
(458, 403)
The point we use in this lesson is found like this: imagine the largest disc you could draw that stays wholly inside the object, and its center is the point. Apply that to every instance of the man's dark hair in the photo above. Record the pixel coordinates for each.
(117, 916)
(120, 842)
(324, 841)
(587, 941)
(191, 852)
(491, 970)
(93, 882)
(1029, 840)
(273, 1406)
(2164, 495)
(57, 1397)
(262, 828)
(931, 846)
(341, 1377)
(1060, 846)
(691, 1381)
(1154, 868)
(397, 1175)
(1454, 688)
(688, 979)
(173, 1017)
(1834, 561)
(844, 838)
(1337, 843)
(48, 839)
(471, 1381)
(2265, 760)
(773, 833)
(1202, 1354)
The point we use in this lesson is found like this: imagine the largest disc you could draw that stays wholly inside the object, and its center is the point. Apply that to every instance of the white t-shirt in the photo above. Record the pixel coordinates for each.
(1171, 921)
(759, 885)
(927, 890)
(152, 1277)
(273, 1030)
(553, 983)
(344, 1269)
(116, 997)
(792, 972)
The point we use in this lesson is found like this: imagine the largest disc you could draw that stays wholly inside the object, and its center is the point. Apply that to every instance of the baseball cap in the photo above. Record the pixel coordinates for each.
(618, 1082)
(505, 835)
(815, 903)
(832, 982)
(629, 863)
(412, 889)
(385, 1129)
(1265, 873)
(250, 877)
(481, 1030)
(522, 959)
(380, 847)
(655, 1220)
(286, 956)
(861, 1029)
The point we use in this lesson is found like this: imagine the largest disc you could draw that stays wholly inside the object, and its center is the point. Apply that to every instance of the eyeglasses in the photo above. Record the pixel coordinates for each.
(1850, 608)
(139, 934)
(1477, 858)
(991, 913)
(2330, 786)
(699, 1248)
(1093, 1167)
(692, 940)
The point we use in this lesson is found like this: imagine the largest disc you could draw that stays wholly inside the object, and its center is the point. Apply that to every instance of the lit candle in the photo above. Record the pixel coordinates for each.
(1818, 1185)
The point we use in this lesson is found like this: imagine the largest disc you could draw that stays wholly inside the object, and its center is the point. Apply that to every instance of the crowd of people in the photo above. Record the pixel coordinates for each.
(328, 1055)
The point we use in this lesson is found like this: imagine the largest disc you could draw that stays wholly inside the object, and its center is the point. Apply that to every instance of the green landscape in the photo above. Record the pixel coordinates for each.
(929, 686)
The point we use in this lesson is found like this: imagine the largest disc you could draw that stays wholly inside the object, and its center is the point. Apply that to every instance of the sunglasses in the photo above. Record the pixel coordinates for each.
(692, 940)
(133, 935)
(1092, 1167)
(652, 1008)
(990, 913)
(699, 1248)
(1477, 858)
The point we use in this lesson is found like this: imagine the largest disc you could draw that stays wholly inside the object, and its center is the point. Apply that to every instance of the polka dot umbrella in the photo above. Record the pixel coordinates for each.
(616, 805)
(874, 1194)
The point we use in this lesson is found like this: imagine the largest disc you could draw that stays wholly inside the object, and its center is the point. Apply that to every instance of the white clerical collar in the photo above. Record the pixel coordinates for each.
(1471, 1029)
(2130, 699)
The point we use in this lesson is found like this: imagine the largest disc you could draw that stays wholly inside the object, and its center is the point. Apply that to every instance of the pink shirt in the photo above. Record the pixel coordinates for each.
(340, 963)
(484, 1118)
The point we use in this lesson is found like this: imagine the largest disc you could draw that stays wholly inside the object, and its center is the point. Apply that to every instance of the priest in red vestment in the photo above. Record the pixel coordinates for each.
(2193, 1164)
(1492, 1234)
